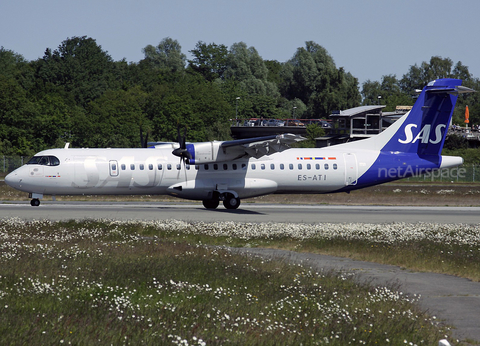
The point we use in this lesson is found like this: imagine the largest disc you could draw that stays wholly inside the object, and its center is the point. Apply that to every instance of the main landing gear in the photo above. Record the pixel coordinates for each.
(35, 202)
(229, 202)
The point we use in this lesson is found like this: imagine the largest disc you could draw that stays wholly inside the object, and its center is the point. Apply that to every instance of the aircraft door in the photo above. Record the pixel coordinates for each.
(159, 172)
(113, 168)
(351, 169)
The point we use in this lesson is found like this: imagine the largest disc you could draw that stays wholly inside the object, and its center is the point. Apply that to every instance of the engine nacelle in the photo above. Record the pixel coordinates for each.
(210, 152)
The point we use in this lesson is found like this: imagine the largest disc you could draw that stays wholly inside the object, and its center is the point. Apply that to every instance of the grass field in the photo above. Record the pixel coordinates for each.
(162, 283)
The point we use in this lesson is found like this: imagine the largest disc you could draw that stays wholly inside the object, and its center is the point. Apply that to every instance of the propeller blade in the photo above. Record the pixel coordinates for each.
(182, 151)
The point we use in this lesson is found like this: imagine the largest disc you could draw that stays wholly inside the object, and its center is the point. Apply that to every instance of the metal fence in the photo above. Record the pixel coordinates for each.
(9, 163)
(462, 174)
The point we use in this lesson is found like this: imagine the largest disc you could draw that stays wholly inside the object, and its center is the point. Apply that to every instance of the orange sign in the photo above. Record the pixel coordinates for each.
(467, 115)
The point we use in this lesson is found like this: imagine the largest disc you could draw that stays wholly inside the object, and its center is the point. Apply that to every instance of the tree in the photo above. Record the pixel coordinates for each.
(192, 103)
(80, 67)
(18, 119)
(9, 61)
(419, 76)
(312, 77)
(389, 92)
(247, 68)
(210, 60)
(166, 55)
(118, 116)
(274, 69)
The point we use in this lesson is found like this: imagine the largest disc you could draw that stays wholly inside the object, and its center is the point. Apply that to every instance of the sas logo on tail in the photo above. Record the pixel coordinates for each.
(423, 135)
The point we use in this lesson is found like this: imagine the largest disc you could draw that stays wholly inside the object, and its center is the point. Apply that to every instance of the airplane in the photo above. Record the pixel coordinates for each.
(229, 171)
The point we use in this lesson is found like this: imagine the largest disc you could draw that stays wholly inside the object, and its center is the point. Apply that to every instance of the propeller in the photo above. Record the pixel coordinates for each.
(182, 151)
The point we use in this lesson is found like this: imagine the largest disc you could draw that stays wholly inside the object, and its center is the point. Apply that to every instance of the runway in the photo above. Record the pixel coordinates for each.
(452, 299)
(246, 213)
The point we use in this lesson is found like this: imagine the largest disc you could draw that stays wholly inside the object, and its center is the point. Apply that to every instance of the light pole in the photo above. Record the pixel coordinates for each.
(294, 112)
(379, 98)
(236, 110)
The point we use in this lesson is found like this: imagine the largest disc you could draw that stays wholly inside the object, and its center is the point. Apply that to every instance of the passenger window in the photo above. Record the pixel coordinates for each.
(225, 166)
(150, 167)
(317, 166)
(299, 166)
(179, 166)
(326, 166)
(234, 166)
(334, 166)
(123, 166)
(244, 166)
(169, 166)
(272, 166)
(132, 167)
(215, 166)
(205, 166)
(197, 167)
(253, 166)
(290, 166)
(309, 166)
(160, 166)
(187, 167)
(262, 166)
(282, 166)
(142, 166)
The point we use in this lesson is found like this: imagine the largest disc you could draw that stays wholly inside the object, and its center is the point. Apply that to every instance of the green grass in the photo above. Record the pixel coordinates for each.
(105, 282)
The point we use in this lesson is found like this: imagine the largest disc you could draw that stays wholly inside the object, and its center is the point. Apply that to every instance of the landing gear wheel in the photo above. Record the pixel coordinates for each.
(231, 202)
(35, 202)
(210, 203)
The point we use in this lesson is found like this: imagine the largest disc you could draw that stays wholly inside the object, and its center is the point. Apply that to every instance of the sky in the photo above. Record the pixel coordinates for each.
(368, 38)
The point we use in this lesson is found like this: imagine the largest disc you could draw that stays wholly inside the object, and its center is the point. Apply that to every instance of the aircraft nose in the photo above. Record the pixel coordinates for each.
(10, 179)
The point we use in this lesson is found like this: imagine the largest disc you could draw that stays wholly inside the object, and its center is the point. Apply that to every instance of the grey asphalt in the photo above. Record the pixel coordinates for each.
(449, 298)
(247, 212)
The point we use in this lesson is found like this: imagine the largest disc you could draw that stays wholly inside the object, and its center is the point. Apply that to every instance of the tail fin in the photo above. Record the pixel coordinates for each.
(424, 129)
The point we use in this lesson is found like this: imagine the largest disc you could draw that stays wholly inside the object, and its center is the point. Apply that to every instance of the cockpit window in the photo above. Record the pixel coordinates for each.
(44, 161)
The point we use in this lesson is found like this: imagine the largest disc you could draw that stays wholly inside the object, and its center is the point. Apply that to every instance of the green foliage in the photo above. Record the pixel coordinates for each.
(77, 93)
(192, 103)
(312, 77)
(386, 93)
(209, 60)
(80, 67)
(166, 55)
(313, 131)
(469, 155)
(455, 142)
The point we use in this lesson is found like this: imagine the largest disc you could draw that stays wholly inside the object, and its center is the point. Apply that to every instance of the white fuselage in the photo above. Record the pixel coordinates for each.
(156, 171)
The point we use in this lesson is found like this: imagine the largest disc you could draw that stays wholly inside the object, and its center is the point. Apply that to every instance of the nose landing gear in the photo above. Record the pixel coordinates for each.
(36, 197)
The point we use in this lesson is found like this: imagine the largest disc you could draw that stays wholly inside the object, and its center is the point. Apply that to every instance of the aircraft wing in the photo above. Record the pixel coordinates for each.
(260, 146)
